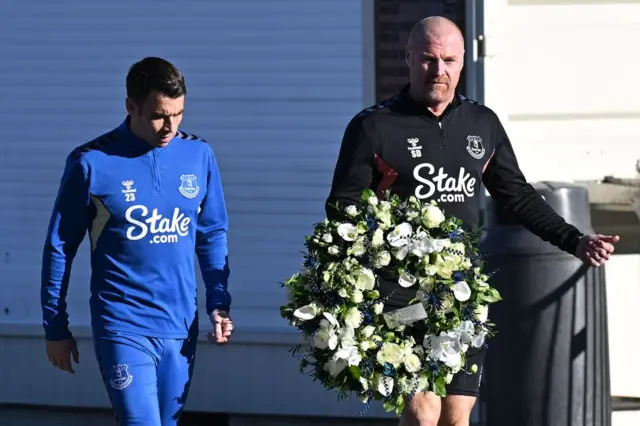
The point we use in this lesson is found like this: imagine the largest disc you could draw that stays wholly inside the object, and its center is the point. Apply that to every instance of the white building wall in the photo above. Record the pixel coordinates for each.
(562, 75)
(272, 85)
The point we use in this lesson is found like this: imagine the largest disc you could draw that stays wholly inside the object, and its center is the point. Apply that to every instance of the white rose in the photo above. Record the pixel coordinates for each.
(378, 308)
(390, 353)
(378, 238)
(365, 280)
(357, 249)
(481, 313)
(353, 318)
(373, 200)
(412, 363)
(432, 216)
(351, 211)
(364, 346)
(327, 238)
(447, 303)
(382, 259)
(343, 293)
(356, 296)
(368, 331)
(333, 250)
(347, 231)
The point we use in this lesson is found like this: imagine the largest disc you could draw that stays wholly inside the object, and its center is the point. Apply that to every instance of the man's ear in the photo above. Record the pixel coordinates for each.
(131, 106)
(407, 55)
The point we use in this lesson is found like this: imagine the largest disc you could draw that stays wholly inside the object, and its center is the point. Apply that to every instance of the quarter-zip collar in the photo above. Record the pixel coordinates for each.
(136, 143)
(143, 148)
(408, 105)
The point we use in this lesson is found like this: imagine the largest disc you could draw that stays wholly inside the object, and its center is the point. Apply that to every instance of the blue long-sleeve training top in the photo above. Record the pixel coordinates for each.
(148, 211)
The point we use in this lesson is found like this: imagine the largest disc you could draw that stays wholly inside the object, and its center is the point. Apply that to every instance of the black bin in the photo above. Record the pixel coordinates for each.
(548, 365)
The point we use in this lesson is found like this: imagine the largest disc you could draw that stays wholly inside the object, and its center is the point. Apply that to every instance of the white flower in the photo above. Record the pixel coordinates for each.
(466, 331)
(406, 280)
(432, 216)
(373, 200)
(378, 308)
(350, 354)
(378, 238)
(347, 337)
(385, 206)
(391, 353)
(385, 219)
(368, 331)
(347, 231)
(351, 210)
(446, 348)
(412, 363)
(427, 283)
(478, 341)
(385, 385)
(447, 303)
(335, 366)
(342, 292)
(353, 318)
(333, 250)
(358, 249)
(306, 312)
(327, 238)
(365, 280)
(399, 237)
(325, 338)
(481, 313)
(356, 296)
(461, 291)
(382, 259)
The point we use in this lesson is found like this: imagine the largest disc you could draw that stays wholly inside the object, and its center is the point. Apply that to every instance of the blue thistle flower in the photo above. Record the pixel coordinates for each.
(388, 370)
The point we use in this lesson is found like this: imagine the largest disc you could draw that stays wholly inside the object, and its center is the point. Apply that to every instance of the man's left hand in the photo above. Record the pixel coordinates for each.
(222, 327)
(596, 249)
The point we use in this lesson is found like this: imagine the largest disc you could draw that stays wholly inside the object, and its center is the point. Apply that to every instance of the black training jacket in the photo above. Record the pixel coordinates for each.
(401, 146)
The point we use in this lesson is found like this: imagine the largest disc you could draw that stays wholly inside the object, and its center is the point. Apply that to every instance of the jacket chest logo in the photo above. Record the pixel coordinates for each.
(189, 185)
(414, 148)
(475, 148)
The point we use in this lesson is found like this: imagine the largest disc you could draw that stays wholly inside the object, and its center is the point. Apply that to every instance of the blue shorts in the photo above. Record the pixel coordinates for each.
(147, 379)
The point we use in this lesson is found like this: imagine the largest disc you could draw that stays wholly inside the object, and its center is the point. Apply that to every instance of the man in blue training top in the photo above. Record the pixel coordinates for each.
(149, 197)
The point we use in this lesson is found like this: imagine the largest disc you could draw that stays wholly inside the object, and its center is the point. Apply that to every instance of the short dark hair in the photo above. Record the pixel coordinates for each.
(154, 74)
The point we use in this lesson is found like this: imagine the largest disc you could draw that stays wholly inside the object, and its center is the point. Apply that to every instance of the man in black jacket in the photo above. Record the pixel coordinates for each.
(433, 143)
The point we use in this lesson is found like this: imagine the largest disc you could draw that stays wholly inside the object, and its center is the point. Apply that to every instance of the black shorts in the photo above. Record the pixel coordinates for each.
(464, 382)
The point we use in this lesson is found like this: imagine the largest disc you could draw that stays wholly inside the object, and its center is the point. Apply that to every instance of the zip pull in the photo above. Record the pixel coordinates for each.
(443, 139)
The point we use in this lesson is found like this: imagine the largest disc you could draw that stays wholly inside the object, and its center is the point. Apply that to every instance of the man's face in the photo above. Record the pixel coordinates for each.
(435, 62)
(157, 119)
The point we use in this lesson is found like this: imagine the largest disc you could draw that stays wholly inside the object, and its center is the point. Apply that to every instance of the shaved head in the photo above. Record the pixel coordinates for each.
(435, 57)
(434, 26)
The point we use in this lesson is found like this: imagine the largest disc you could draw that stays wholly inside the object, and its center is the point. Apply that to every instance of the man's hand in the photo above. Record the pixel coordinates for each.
(60, 353)
(596, 249)
(222, 327)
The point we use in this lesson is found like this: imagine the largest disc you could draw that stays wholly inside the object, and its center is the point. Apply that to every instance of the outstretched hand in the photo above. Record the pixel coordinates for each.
(596, 249)
(222, 327)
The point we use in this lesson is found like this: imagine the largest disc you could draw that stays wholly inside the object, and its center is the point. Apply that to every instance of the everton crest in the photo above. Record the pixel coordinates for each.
(189, 185)
(475, 147)
(120, 378)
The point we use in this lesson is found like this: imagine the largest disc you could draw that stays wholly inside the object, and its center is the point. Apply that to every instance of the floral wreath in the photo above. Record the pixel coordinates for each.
(350, 344)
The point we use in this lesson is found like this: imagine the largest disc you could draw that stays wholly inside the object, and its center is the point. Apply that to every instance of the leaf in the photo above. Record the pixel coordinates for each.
(440, 387)
(355, 371)
(367, 193)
